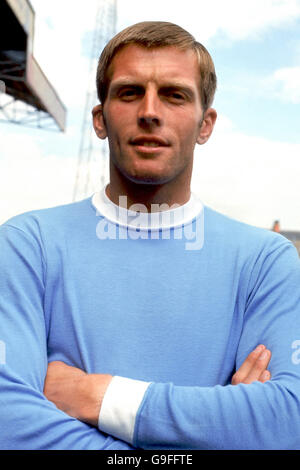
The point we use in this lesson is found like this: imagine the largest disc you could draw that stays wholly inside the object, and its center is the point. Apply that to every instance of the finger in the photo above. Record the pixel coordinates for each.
(259, 367)
(245, 369)
(265, 376)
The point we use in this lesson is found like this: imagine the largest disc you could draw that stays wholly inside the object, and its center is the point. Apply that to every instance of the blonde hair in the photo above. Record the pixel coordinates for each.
(153, 34)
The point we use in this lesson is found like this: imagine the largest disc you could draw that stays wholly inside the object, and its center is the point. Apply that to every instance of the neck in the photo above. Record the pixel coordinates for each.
(147, 196)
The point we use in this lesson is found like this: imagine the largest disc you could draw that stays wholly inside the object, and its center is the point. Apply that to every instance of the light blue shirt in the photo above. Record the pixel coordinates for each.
(83, 289)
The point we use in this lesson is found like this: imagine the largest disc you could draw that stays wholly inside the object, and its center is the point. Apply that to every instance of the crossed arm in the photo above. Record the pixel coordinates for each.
(262, 415)
(80, 395)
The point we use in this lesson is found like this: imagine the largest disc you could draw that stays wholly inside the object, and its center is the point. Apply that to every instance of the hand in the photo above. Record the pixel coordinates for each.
(75, 392)
(254, 367)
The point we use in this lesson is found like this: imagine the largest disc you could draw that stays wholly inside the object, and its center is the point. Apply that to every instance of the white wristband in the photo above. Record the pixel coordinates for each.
(120, 405)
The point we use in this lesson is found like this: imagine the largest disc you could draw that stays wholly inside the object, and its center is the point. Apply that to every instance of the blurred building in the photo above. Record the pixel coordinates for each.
(293, 236)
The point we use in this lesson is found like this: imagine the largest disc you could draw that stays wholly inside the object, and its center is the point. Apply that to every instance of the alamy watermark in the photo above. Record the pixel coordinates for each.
(2, 352)
(296, 354)
(163, 222)
(2, 87)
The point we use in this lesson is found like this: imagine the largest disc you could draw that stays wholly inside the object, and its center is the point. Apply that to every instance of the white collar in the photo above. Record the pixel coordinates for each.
(163, 219)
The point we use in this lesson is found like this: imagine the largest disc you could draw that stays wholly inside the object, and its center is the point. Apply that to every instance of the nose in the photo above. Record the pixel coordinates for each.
(149, 113)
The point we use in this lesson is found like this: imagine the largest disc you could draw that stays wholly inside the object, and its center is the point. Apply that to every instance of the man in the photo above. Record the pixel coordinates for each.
(143, 301)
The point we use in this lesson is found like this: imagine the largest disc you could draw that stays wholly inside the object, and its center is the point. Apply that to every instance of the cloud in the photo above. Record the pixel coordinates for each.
(240, 20)
(286, 84)
(59, 32)
(282, 85)
(253, 179)
(31, 177)
(31, 180)
(234, 19)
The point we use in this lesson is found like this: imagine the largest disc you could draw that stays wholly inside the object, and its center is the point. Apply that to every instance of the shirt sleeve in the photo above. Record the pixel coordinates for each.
(29, 419)
(120, 406)
(244, 416)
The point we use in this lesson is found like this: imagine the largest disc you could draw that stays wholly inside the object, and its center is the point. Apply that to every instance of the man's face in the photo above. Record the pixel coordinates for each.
(152, 114)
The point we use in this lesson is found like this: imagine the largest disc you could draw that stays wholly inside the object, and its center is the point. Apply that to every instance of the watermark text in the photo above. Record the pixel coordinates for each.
(296, 354)
(2, 352)
(162, 222)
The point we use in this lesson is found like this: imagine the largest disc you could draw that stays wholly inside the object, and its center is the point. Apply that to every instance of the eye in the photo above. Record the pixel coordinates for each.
(175, 96)
(128, 94)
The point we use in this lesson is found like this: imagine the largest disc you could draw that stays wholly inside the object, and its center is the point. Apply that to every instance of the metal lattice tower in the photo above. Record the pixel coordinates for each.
(92, 168)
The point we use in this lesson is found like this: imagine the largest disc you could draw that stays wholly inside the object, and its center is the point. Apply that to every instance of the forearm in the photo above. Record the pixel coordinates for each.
(244, 416)
(83, 395)
(75, 392)
(118, 399)
(123, 397)
(256, 416)
(32, 422)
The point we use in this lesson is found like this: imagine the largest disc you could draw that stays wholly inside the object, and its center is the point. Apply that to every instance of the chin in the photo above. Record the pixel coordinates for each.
(148, 178)
(147, 172)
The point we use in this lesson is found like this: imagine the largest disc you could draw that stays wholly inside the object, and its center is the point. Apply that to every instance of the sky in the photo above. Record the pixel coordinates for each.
(250, 167)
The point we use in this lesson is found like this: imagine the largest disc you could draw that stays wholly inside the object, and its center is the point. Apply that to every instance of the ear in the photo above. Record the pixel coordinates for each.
(207, 126)
(98, 121)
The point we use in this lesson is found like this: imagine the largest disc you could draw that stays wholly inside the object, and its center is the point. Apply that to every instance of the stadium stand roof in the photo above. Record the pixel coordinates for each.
(21, 77)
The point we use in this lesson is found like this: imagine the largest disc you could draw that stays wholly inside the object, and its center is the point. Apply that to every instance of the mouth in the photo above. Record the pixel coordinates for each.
(149, 144)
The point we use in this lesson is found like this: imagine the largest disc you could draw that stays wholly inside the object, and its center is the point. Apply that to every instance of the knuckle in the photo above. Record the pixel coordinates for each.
(264, 357)
(259, 366)
(247, 381)
(252, 357)
(267, 375)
